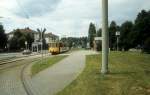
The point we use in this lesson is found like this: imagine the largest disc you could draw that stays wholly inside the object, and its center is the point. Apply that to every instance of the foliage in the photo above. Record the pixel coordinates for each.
(30, 38)
(75, 42)
(91, 34)
(17, 42)
(112, 35)
(132, 35)
(13, 43)
(142, 27)
(126, 35)
(99, 33)
(3, 37)
(147, 45)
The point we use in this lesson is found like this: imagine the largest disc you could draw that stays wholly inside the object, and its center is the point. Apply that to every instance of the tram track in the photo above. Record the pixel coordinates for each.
(12, 78)
(23, 78)
(6, 63)
(16, 74)
(28, 86)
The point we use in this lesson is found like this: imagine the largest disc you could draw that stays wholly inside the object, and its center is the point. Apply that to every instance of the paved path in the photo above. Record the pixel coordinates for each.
(55, 78)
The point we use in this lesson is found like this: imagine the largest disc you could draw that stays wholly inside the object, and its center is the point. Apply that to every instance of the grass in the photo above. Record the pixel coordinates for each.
(129, 75)
(38, 66)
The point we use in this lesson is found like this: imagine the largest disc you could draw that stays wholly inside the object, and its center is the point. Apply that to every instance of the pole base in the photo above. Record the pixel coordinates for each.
(104, 71)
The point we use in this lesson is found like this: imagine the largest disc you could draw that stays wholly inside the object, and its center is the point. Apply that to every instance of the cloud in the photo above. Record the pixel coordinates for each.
(67, 17)
(36, 8)
(121, 10)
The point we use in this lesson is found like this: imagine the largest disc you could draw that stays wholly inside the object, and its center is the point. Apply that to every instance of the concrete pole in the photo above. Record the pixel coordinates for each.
(117, 43)
(42, 45)
(105, 37)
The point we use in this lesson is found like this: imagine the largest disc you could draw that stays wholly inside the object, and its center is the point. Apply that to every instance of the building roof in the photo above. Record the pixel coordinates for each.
(51, 35)
(23, 30)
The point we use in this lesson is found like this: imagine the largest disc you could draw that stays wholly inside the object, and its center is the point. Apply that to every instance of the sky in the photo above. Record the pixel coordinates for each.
(65, 17)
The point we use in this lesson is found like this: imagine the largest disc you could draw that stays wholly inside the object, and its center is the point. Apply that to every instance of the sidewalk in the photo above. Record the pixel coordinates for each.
(57, 77)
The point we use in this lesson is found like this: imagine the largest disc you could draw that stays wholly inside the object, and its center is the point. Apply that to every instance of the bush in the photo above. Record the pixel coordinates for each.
(147, 45)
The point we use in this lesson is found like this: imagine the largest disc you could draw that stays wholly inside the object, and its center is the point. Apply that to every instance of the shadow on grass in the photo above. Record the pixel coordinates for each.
(147, 72)
(113, 76)
(120, 73)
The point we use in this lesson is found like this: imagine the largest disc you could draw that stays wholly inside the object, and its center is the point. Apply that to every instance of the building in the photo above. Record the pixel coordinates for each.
(49, 37)
(36, 45)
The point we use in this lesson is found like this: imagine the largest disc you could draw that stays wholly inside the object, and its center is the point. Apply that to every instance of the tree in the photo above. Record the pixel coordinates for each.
(83, 42)
(29, 38)
(17, 42)
(91, 34)
(13, 43)
(126, 35)
(112, 35)
(147, 45)
(99, 43)
(3, 37)
(99, 33)
(75, 42)
(142, 27)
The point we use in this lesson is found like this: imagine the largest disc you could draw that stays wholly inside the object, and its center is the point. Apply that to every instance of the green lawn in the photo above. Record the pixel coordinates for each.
(38, 66)
(129, 75)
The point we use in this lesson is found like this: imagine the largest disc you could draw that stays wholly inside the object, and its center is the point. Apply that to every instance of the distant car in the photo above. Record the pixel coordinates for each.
(26, 52)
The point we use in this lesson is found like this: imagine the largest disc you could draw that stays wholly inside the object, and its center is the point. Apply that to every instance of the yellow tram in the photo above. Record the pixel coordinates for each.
(57, 47)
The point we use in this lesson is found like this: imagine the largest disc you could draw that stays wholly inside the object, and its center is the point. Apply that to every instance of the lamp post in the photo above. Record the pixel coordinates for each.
(117, 35)
(105, 37)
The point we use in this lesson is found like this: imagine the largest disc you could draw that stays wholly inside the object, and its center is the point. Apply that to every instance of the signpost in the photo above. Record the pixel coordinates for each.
(117, 34)
(105, 37)
(98, 38)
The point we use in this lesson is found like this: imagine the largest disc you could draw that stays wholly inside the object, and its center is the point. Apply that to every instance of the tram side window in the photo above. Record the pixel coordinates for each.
(54, 44)
(61, 45)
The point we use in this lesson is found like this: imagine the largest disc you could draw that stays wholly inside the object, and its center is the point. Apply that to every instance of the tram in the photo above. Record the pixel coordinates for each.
(57, 48)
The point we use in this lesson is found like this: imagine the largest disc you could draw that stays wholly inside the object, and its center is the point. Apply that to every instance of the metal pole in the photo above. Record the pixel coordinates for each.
(117, 43)
(42, 46)
(117, 35)
(105, 37)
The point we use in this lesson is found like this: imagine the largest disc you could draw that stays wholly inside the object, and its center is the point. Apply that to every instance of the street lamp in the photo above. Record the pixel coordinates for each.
(105, 37)
(117, 35)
